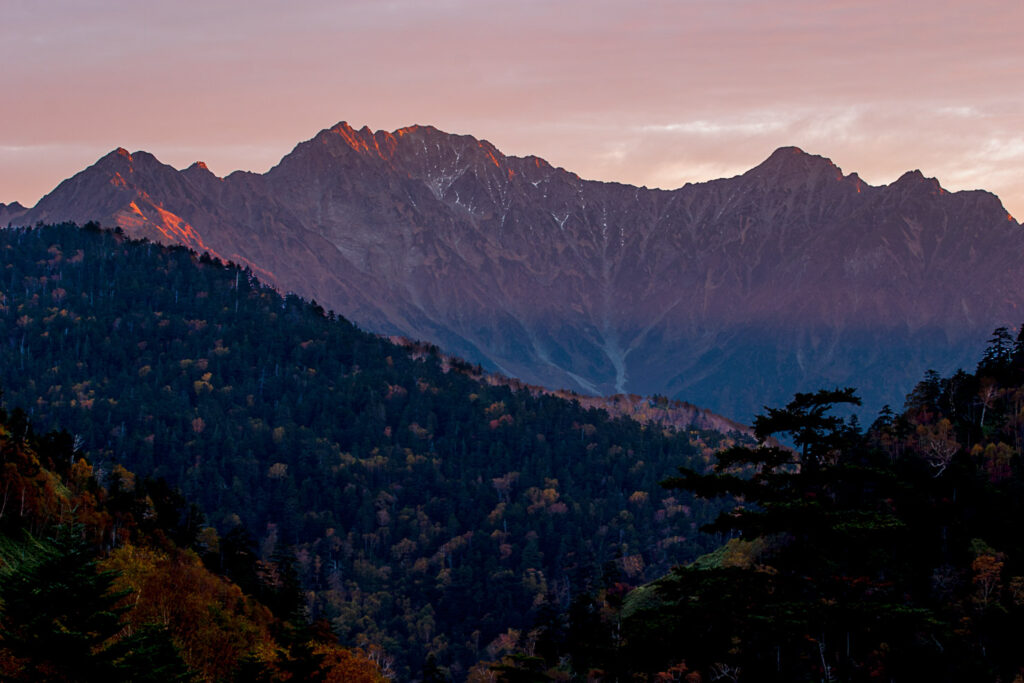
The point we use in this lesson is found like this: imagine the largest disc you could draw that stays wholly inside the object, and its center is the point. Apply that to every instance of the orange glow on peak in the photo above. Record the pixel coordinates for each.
(494, 159)
(1009, 217)
(350, 136)
(488, 151)
(356, 143)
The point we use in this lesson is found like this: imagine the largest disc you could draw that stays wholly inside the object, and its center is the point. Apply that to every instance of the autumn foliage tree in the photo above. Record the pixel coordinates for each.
(64, 620)
(93, 585)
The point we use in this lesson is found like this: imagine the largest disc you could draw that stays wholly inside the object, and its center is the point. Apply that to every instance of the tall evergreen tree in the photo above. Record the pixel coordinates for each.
(61, 618)
(811, 586)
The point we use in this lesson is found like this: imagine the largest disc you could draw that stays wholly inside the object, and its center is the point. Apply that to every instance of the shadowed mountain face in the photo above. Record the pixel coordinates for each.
(731, 294)
(10, 212)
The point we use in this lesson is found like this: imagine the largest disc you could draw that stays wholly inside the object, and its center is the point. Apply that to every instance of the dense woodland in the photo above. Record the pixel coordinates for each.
(351, 494)
(114, 583)
(426, 514)
(894, 553)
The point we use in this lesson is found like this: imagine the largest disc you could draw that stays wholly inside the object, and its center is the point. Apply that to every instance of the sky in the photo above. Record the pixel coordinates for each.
(647, 92)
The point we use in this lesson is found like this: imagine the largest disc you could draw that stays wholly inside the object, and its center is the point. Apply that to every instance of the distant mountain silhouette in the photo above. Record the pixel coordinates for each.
(731, 294)
(10, 212)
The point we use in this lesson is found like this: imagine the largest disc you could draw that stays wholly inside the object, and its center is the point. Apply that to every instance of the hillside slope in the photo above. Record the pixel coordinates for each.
(426, 512)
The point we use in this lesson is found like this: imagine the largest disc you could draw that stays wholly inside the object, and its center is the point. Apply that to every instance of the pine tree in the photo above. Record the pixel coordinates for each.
(821, 540)
(150, 656)
(61, 620)
(59, 613)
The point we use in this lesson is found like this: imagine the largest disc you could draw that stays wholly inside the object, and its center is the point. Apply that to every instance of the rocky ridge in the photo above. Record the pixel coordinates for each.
(731, 294)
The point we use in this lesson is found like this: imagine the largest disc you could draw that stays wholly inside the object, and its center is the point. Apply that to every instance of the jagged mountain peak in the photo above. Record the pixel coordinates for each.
(916, 178)
(115, 157)
(789, 161)
(199, 172)
(417, 129)
(366, 140)
(360, 140)
(122, 158)
(416, 139)
(418, 152)
(10, 212)
(787, 153)
(344, 128)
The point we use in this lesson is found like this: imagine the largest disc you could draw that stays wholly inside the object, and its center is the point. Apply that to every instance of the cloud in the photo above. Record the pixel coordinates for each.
(722, 128)
(635, 92)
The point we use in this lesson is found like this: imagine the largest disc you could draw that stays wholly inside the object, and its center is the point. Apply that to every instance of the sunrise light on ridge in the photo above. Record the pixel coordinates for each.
(657, 93)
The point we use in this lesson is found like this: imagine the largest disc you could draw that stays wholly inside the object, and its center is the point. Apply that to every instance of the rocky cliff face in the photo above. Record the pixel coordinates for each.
(731, 294)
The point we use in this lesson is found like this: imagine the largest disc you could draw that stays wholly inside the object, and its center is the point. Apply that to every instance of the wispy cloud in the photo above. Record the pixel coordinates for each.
(720, 128)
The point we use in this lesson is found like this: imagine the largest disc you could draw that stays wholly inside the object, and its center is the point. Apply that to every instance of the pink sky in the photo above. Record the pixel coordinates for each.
(653, 93)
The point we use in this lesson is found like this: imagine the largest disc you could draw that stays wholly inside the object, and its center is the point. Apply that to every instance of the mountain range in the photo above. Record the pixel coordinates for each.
(730, 294)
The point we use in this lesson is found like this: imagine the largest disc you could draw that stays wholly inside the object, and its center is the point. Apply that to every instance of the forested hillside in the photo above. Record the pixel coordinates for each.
(456, 529)
(426, 513)
(122, 583)
(893, 554)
